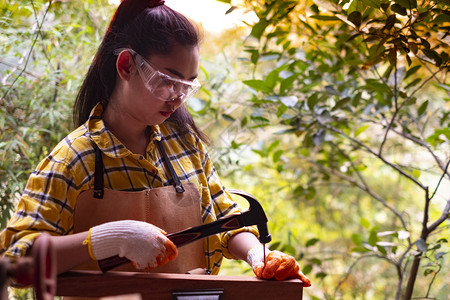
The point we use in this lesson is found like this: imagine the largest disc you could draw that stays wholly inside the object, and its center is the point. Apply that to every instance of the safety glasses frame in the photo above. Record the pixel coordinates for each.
(156, 81)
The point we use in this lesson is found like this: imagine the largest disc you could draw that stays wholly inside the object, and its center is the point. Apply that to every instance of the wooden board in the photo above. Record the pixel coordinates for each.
(161, 286)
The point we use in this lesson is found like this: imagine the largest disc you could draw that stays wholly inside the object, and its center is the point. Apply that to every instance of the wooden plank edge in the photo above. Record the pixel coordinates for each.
(161, 285)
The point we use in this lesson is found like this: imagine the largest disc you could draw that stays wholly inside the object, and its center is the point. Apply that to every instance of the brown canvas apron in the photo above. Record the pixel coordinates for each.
(166, 207)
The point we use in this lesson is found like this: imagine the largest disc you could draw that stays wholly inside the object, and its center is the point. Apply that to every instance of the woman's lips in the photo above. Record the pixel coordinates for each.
(165, 113)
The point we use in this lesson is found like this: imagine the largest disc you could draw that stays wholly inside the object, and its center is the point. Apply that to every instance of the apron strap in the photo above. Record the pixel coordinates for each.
(176, 180)
(98, 173)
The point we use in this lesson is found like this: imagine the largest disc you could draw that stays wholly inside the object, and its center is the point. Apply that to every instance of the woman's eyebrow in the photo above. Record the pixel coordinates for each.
(176, 73)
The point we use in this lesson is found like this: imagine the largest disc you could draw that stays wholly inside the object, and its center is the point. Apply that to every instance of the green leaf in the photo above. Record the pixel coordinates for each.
(416, 173)
(234, 145)
(392, 57)
(356, 238)
(307, 269)
(288, 249)
(316, 261)
(259, 28)
(325, 18)
(274, 245)
(244, 121)
(258, 85)
(385, 6)
(411, 71)
(399, 9)
(433, 55)
(260, 119)
(312, 101)
(372, 3)
(413, 47)
(427, 272)
(421, 245)
(382, 250)
(321, 275)
(273, 145)
(310, 193)
(286, 84)
(271, 78)
(376, 51)
(356, 5)
(254, 55)
(425, 43)
(260, 153)
(443, 131)
(413, 83)
(281, 110)
(341, 103)
(361, 130)
(442, 18)
(364, 223)
(311, 242)
(408, 4)
(390, 22)
(276, 156)
(422, 109)
(355, 18)
(373, 238)
(408, 59)
(360, 249)
(228, 117)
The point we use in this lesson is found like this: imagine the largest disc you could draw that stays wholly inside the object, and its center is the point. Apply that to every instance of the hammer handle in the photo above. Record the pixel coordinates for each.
(183, 237)
(253, 216)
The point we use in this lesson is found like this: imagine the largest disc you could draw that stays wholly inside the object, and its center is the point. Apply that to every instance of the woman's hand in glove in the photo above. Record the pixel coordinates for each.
(142, 243)
(279, 266)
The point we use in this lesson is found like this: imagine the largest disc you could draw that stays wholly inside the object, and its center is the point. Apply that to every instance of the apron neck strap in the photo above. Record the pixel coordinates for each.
(176, 180)
(98, 174)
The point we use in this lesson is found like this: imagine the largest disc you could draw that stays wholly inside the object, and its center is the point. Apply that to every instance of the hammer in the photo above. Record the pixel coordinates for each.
(255, 215)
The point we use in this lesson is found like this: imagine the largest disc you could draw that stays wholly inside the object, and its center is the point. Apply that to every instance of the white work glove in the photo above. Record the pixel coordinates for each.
(279, 266)
(144, 244)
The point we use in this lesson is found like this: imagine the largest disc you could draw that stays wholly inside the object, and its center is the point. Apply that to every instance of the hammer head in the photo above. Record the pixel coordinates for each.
(255, 215)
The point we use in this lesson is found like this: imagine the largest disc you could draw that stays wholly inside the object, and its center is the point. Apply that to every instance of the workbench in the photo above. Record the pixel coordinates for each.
(175, 286)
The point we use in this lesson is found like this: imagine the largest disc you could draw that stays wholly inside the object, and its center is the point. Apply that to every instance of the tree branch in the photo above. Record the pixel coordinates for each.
(423, 144)
(29, 53)
(362, 187)
(442, 218)
(380, 151)
(440, 179)
(366, 148)
(356, 262)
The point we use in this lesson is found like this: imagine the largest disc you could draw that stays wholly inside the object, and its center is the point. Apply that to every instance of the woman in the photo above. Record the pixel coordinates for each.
(136, 162)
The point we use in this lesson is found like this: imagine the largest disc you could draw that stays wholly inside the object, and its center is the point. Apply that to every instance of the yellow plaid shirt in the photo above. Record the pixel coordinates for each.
(47, 204)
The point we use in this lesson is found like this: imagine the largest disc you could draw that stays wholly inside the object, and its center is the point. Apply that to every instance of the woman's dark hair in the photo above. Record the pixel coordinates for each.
(148, 27)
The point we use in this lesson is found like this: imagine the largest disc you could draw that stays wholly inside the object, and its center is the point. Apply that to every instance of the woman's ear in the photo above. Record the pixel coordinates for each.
(125, 65)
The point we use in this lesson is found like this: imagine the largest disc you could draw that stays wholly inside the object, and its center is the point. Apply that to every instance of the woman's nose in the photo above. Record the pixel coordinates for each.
(176, 100)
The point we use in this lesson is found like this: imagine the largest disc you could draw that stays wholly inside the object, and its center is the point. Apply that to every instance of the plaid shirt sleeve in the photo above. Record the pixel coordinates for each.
(47, 203)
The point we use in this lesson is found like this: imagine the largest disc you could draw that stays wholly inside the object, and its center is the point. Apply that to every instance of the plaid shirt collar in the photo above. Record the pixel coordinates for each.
(105, 139)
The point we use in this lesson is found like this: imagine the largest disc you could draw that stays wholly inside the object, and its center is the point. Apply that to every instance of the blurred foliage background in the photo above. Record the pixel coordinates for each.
(334, 114)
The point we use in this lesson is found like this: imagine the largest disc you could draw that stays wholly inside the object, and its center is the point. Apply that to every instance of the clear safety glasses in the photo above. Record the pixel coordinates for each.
(162, 86)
